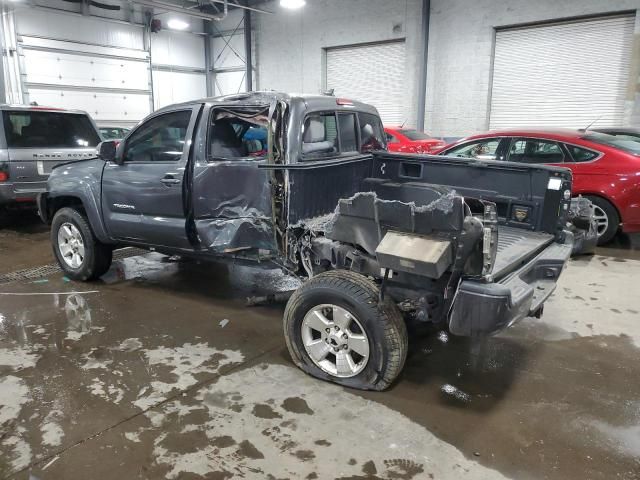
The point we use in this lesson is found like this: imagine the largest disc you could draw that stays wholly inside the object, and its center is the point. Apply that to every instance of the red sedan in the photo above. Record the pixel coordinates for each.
(408, 140)
(606, 169)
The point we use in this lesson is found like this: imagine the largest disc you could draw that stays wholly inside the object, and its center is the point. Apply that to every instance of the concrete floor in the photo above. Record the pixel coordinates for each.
(161, 371)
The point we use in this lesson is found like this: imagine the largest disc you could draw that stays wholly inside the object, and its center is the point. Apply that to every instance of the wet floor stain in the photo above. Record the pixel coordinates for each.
(296, 405)
(265, 411)
(76, 367)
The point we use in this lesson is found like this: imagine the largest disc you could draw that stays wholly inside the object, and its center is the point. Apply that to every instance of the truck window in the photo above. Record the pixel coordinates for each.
(372, 135)
(32, 129)
(160, 139)
(347, 128)
(320, 136)
(235, 135)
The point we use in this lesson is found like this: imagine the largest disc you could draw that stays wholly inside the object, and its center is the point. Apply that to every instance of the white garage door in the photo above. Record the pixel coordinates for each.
(111, 84)
(373, 74)
(562, 75)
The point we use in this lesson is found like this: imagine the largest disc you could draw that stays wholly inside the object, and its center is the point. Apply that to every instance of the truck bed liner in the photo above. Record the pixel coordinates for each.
(516, 246)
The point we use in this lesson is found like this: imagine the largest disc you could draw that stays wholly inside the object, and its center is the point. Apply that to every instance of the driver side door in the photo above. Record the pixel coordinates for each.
(142, 199)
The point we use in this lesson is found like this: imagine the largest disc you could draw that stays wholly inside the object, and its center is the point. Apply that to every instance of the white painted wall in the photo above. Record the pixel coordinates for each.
(85, 47)
(288, 51)
(289, 45)
(50, 24)
(176, 48)
(460, 53)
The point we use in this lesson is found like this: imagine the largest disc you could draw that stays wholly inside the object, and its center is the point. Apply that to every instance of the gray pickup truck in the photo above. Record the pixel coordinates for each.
(305, 182)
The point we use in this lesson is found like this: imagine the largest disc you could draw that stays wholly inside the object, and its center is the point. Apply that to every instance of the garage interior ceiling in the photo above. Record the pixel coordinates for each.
(111, 64)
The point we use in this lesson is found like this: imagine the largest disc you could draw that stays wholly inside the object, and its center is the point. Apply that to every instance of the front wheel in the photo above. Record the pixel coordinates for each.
(78, 252)
(336, 329)
(607, 219)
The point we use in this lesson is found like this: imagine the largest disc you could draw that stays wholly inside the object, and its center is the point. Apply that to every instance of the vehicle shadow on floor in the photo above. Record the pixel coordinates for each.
(23, 221)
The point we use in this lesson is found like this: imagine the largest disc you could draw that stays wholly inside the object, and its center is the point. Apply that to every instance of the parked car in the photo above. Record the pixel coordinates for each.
(35, 139)
(409, 140)
(382, 238)
(114, 133)
(606, 168)
(630, 134)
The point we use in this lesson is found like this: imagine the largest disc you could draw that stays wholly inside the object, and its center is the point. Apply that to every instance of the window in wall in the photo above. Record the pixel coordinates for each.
(535, 151)
(160, 139)
(372, 136)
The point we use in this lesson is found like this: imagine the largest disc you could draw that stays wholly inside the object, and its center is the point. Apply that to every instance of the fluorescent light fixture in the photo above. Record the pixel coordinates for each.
(292, 3)
(175, 24)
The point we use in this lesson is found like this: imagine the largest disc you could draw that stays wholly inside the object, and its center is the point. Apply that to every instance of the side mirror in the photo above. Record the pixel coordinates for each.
(107, 151)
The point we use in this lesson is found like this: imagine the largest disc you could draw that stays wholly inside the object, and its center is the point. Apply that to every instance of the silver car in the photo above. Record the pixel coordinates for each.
(35, 139)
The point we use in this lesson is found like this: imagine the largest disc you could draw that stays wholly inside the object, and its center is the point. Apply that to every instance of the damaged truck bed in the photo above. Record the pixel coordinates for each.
(306, 182)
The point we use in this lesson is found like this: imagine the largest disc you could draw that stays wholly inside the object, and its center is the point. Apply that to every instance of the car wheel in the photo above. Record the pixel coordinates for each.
(78, 252)
(337, 329)
(607, 219)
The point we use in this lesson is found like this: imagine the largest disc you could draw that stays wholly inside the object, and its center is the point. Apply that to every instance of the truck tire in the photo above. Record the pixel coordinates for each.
(606, 217)
(78, 252)
(337, 330)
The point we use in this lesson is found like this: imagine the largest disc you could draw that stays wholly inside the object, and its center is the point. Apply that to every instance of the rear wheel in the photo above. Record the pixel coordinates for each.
(78, 252)
(336, 329)
(607, 219)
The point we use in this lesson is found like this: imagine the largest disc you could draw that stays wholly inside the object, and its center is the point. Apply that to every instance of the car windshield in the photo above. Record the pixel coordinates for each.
(414, 134)
(623, 144)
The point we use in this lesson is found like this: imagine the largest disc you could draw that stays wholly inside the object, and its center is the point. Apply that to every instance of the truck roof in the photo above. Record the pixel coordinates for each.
(311, 102)
(38, 108)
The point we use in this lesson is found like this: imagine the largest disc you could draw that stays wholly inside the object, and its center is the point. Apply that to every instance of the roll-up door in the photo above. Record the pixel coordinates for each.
(562, 75)
(372, 73)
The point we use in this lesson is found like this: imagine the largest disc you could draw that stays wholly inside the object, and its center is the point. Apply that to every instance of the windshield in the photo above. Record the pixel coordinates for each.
(414, 135)
(623, 144)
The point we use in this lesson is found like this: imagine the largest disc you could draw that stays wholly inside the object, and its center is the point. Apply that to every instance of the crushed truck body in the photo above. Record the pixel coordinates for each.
(382, 240)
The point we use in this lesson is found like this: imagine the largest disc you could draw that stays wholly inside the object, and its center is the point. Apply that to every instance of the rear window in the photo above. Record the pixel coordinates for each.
(628, 146)
(372, 136)
(414, 135)
(48, 130)
(582, 154)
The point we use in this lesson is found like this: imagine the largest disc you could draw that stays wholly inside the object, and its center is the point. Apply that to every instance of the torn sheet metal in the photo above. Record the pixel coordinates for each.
(232, 207)
(364, 218)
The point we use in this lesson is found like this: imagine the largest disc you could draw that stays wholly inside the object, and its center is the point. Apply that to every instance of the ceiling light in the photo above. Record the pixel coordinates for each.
(292, 3)
(176, 24)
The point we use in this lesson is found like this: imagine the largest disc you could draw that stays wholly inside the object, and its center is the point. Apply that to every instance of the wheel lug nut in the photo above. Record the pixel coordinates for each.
(344, 336)
(337, 328)
(335, 349)
(345, 346)
(327, 330)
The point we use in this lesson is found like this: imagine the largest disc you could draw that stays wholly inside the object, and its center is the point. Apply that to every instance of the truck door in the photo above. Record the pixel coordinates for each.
(142, 199)
(231, 192)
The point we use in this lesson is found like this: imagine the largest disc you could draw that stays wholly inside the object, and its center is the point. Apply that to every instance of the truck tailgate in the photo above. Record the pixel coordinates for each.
(515, 247)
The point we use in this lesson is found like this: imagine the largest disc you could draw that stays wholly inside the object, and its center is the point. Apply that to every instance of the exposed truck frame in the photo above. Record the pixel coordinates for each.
(382, 238)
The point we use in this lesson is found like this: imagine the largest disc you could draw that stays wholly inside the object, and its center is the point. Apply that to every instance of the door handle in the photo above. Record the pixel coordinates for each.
(170, 180)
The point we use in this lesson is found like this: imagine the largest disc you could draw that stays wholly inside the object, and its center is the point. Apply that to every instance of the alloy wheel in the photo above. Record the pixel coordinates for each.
(335, 340)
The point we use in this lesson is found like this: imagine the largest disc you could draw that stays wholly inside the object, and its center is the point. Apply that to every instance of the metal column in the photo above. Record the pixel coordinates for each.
(422, 64)
(247, 51)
